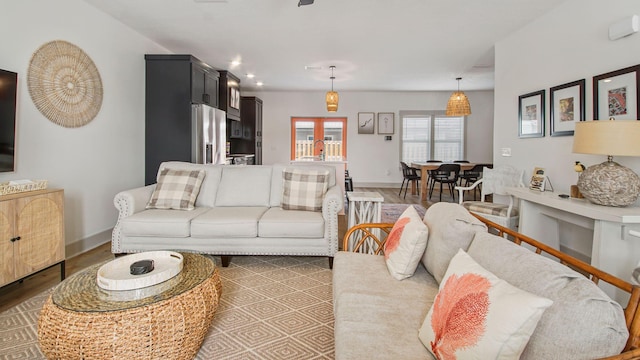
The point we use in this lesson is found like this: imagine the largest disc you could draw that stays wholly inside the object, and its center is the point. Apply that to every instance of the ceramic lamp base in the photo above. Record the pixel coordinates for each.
(609, 184)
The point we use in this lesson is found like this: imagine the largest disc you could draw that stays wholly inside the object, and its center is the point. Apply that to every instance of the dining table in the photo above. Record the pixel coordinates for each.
(424, 174)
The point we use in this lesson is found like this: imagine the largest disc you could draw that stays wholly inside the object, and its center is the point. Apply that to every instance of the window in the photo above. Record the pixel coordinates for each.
(310, 135)
(431, 136)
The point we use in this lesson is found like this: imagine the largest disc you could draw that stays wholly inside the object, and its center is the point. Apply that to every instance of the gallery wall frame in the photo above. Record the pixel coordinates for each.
(386, 122)
(616, 94)
(531, 115)
(366, 123)
(567, 107)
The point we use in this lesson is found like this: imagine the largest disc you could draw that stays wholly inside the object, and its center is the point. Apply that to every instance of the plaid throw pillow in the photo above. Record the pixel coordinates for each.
(176, 189)
(303, 189)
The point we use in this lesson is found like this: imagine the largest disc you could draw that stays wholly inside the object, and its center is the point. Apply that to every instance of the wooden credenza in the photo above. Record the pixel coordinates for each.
(31, 233)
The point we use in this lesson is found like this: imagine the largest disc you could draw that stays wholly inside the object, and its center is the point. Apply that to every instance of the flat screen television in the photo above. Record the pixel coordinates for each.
(8, 90)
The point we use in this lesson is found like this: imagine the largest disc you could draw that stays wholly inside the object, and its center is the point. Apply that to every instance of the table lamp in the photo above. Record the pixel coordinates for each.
(609, 183)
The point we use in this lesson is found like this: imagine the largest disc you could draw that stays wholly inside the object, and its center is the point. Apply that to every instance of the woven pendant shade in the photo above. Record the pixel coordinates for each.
(458, 104)
(332, 101)
(332, 96)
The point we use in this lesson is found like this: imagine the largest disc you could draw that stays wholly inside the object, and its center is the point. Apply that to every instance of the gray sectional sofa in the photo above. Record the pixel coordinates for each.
(238, 212)
(379, 317)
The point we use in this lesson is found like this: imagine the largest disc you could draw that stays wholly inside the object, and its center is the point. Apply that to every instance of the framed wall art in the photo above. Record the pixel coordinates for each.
(386, 123)
(616, 95)
(531, 114)
(567, 107)
(366, 123)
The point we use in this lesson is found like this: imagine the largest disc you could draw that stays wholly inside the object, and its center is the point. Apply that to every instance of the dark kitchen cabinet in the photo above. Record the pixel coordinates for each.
(250, 141)
(172, 84)
(204, 85)
(229, 95)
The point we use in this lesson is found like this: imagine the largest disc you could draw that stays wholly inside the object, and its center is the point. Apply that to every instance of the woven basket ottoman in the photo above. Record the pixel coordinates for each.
(165, 321)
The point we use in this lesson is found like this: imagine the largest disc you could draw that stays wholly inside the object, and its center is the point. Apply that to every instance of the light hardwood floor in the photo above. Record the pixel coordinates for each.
(15, 293)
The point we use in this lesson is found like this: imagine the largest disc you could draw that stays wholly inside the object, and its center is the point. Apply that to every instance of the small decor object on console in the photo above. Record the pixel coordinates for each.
(538, 179)
(608, 183)
(64, 84)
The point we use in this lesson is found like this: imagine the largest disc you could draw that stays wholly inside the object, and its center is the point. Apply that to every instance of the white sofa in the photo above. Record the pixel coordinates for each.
(238, 212)
(379, 317)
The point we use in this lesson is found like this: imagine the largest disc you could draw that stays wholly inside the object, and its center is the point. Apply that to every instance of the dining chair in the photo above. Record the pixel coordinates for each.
(445, 174)
(409, 174)
(494, 182)
(432, 173)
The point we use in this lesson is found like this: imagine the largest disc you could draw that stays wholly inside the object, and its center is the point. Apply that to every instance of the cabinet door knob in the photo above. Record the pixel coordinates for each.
(15, 239)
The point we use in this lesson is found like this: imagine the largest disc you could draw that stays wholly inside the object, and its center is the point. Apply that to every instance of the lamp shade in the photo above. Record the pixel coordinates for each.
(612, 137)
(332, 101)
(458, 105)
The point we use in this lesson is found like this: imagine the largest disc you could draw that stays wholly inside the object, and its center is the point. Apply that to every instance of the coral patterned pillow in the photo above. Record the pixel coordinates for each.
(476, 315)
(405, 244)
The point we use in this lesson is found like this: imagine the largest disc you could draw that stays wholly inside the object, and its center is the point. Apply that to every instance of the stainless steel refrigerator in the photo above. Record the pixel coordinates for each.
(209, 135)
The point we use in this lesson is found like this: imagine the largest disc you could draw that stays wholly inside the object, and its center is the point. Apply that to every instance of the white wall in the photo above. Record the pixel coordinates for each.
(567, 44)
(372, 160)
(94, 162)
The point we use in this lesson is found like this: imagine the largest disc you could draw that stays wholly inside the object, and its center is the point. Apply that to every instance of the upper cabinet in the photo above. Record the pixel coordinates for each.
(229, 90)
(204, 85)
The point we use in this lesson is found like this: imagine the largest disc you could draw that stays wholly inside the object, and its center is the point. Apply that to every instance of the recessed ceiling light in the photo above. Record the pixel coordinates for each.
(235, 62)
(259, 83)
(311, 67)
(250, 76)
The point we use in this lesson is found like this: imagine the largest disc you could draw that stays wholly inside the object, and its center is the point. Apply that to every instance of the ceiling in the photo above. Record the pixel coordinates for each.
(376, 45)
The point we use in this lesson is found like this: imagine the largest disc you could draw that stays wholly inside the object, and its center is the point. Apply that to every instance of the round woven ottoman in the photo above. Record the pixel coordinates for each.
(165, 321)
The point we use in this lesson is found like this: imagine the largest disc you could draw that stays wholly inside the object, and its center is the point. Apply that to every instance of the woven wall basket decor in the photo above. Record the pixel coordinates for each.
(64, 84)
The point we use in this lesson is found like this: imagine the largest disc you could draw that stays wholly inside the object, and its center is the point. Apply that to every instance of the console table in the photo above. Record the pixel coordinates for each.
(615, 244)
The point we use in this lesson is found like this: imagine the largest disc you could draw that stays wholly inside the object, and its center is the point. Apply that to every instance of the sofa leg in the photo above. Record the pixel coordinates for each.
(226, 260)
(330, 262)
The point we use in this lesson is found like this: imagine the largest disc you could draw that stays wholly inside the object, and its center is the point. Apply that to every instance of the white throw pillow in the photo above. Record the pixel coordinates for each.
(176, 189)
(405, 244)
(304, 189)
(476, 315)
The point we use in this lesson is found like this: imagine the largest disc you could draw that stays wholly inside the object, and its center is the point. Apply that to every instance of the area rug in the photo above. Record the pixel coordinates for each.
(272, 307)
(391, 212)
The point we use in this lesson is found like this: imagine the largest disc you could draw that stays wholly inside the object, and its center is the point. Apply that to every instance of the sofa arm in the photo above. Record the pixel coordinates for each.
(128, 202)
(332, 203)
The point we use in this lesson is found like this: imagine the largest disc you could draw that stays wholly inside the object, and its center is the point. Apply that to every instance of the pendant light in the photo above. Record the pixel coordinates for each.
(332, 96)
(458, 104)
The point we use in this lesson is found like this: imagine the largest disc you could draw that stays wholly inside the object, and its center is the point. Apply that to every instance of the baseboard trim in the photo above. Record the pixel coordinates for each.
(83, 245)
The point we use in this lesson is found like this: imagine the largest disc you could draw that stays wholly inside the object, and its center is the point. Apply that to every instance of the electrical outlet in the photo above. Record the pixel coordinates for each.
(505, 151)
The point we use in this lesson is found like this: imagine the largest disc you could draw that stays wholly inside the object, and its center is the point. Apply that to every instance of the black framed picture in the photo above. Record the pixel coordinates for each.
(567, 107)
(616, 95)
(531, 114)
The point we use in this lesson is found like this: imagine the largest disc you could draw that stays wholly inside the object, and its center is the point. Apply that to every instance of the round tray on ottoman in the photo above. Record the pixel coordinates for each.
(169, 320)
(116, 274)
